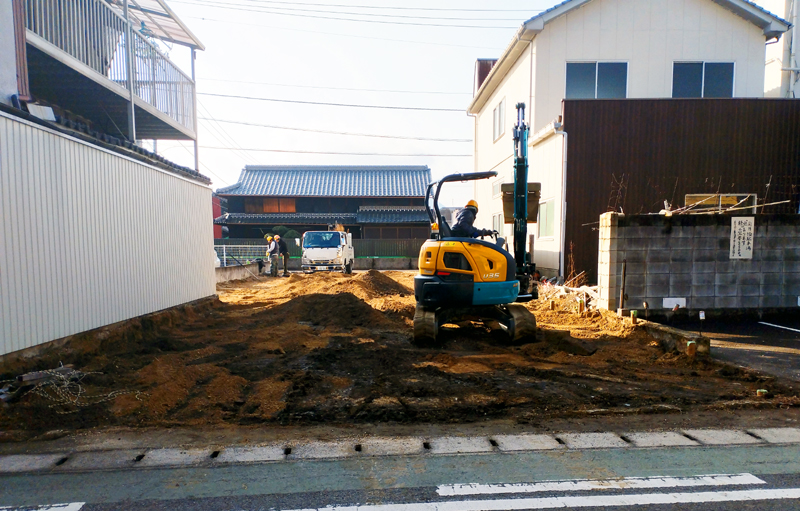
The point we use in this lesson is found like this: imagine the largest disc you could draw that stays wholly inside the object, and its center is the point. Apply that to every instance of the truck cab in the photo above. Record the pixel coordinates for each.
(327, 251)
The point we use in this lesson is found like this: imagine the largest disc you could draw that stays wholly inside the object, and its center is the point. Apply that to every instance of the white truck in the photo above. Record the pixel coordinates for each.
(327, 251)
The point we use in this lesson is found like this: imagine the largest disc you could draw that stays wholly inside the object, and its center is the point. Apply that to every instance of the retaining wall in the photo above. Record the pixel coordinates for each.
(688, 260)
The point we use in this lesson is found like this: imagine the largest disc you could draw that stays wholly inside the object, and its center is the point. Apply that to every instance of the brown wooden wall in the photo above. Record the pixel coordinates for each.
(631, 155)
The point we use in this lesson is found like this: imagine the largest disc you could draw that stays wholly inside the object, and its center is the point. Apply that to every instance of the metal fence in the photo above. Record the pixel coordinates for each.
(232, 252)
(94, 33)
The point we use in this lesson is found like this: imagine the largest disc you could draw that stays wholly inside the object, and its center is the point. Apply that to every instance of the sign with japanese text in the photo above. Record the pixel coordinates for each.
(742, 237)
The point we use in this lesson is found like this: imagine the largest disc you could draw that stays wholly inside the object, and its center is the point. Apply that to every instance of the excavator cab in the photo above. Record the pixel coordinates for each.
(467, 278)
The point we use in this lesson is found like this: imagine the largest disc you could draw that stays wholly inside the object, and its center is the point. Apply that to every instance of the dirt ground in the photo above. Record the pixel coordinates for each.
(335, 349)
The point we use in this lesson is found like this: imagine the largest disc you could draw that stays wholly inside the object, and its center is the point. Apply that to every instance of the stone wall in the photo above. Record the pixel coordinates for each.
(686, 260)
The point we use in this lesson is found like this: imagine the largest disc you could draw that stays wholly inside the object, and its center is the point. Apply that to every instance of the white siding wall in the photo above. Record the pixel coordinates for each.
(650, 35)
(498, 154)
(90, 237)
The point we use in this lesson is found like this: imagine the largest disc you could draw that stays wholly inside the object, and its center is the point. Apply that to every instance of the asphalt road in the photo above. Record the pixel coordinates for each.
(765, 345)
(748, 477)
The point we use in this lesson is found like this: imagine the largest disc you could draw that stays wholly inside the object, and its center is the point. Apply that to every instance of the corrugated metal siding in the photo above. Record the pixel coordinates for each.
(665, 149)
(90, 237)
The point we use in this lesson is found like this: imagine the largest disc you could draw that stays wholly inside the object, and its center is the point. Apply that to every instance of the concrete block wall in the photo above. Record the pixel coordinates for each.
(688, 257)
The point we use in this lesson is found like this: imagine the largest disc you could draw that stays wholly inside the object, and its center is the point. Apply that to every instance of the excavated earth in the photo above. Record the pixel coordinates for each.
(336, 349)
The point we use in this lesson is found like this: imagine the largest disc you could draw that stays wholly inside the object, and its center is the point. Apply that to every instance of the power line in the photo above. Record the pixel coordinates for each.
(220, 3)
(222, 131)
(316, 32)
(345, 133)
(201, 163)
(337, 88)
(400, 8)
(386, 107)
(344, 153)
(307, 16)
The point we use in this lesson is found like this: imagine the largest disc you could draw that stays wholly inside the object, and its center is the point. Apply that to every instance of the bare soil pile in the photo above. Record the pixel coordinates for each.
(336, 348)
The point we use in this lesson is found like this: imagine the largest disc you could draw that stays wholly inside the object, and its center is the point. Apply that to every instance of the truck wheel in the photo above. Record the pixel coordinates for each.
(348, 268)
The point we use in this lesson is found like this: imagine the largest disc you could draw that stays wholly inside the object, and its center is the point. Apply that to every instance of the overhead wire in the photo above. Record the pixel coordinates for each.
(224, 133)
(343, 153)
(405, 8)
(373, 135)
(224, 3)
(335, 88)
(316, 32)
(307, 16)
(349, 105)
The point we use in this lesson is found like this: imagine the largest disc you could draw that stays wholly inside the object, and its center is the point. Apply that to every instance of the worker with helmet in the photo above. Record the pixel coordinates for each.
(270, 248)
(283, 253)
(272, 254)
(463, 227)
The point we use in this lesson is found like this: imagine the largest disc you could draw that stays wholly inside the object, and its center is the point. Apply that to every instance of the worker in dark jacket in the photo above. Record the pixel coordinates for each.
(463, 227)
(283, 253)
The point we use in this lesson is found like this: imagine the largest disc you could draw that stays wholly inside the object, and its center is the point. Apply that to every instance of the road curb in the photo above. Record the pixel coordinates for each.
(366, 447)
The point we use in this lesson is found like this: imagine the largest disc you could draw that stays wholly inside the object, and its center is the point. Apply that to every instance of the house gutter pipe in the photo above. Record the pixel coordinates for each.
(559, 131)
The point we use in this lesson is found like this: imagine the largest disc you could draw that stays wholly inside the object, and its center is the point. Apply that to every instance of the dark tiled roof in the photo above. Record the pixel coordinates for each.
(392, 215)
(286, 218)
(331, 181)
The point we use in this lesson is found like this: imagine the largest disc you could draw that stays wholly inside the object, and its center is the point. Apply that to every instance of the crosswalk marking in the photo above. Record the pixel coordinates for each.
(578, 502)
(72, 506)
(622, 483)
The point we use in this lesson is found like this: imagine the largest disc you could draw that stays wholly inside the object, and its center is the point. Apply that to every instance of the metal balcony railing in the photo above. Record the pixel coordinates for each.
(93, 32)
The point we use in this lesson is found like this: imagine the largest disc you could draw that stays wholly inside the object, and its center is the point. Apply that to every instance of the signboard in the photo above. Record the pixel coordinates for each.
(742, 236)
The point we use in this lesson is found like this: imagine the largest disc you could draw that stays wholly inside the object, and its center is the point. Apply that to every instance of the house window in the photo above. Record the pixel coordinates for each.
(702, 80)
(597, 80)
(497, 222)
(546, 219)
(499, 117)
(496, 191)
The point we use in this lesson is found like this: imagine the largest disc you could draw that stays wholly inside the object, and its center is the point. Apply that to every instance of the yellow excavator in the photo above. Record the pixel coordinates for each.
(464, 279)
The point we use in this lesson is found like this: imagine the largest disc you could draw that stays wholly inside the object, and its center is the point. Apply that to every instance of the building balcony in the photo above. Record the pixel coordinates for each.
(85, 57)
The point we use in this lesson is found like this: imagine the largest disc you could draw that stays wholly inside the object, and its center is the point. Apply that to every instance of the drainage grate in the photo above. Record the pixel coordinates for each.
(626, 439)
(494, 442)
(287, 451)
(61, 461)
(214, 454)
(426, 446)
(358, 447)
(560, 441)
(138, 458)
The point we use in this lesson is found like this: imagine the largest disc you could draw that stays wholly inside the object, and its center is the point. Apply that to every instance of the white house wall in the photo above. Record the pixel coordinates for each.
(90, 237)
(498, 154)
(650, 35)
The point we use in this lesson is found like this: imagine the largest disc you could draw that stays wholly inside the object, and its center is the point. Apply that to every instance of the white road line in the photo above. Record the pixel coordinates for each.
(779, 326)
(72, 506)
(598, 484)
(575, 502)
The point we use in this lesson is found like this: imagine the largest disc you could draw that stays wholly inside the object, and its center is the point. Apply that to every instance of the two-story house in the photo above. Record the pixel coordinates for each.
(605, 49)
(123, 231)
